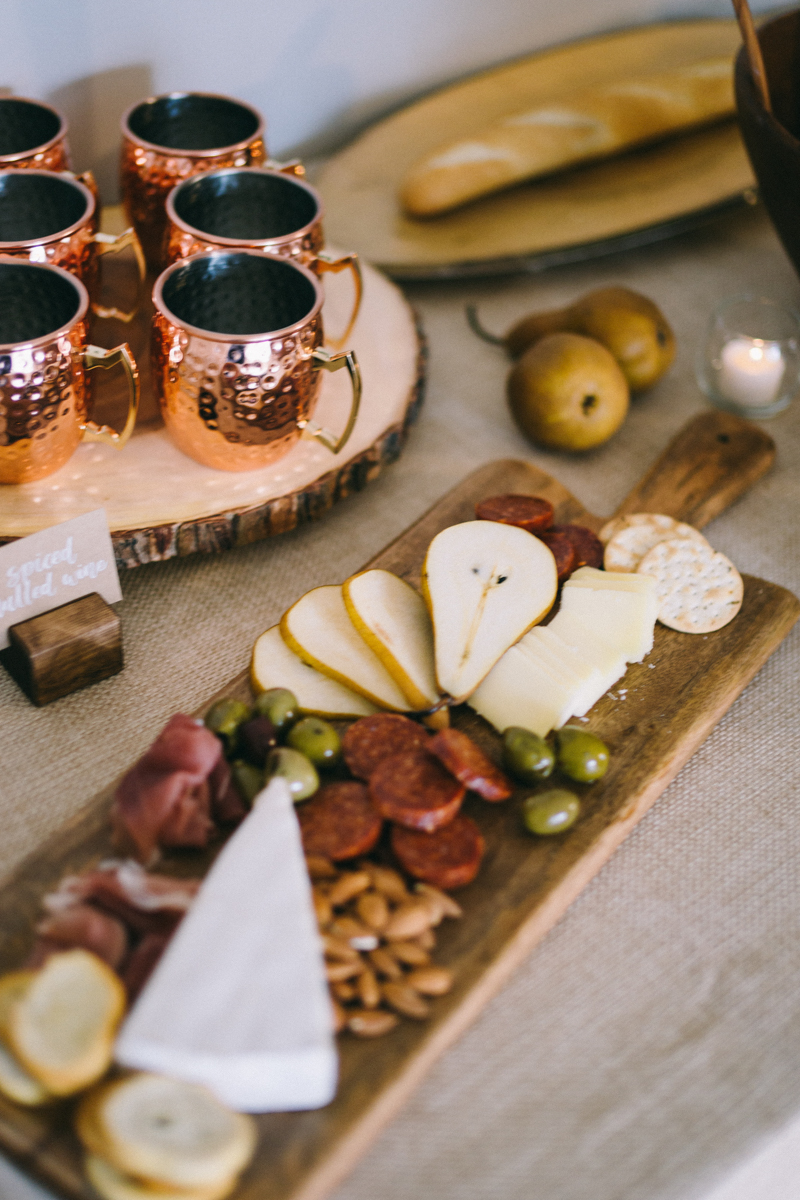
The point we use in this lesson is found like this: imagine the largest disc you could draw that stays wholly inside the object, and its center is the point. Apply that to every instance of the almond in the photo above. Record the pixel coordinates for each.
(373, 909)
(335, 972)
(371, 1022)
(409, 921)
(410, 954)
(347, 886)
(430, 981)
(405, 1000)
(368, 989)
(447, 904)
(385, 964)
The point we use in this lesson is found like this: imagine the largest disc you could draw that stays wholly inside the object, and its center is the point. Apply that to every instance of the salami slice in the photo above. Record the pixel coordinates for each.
(563, 552)
(448, 858)
(370, 740)
(533, 513)
(414, 789)
(469, 764)
(586, 544)
(339, 822)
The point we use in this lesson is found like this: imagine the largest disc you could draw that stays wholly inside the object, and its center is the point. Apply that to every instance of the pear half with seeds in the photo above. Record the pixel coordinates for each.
(318, 629)
(485, 585)
(274, 665)
(394, 622)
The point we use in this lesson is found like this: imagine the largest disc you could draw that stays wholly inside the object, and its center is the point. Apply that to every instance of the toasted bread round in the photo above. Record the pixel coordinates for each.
(13, 986)
(15, 1082)
(114, 1185)
(166, 1132)
(62, 1028)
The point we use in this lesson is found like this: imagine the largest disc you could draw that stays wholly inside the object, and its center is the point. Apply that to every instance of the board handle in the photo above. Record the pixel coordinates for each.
(712, 462)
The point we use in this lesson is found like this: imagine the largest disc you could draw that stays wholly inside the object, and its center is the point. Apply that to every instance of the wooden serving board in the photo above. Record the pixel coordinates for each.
(672, 702)
(628, 200)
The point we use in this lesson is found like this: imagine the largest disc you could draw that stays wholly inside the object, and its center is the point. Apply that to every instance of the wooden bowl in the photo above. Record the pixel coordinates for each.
(771, 139)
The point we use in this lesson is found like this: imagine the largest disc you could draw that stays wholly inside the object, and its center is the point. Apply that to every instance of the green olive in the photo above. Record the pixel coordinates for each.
(317, 739)
(298, 771)
(550, 812)
(526, 756)
(225, 717)
(580, 754)
(248, 780)
(279, 704)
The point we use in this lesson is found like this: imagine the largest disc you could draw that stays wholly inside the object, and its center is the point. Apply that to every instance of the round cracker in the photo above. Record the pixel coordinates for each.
(699, 590)
(642, 518)
(629, 545)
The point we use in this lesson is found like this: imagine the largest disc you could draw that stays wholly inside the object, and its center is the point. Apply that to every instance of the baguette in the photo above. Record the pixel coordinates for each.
(591, 123)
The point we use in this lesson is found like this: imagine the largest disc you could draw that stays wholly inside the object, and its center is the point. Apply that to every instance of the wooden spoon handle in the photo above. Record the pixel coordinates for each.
(709, 464)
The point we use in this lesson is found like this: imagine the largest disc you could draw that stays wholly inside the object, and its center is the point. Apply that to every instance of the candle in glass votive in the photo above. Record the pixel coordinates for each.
(751, 371)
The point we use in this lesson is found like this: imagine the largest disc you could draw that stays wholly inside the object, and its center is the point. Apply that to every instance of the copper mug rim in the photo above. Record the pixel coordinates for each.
(40, 147)
(185, 264)
(235, 243)
(175, 152)
(83, 302)
(68, 230)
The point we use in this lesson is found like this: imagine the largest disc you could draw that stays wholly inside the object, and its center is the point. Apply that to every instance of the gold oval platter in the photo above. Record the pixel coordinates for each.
(631, 200)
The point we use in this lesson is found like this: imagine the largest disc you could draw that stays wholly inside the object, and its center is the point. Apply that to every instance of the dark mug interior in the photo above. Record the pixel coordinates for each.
(25, 125)
(35, 206)
(238, 294)
(771, 139)
(192, 121)
(34, 301)
(246, 205)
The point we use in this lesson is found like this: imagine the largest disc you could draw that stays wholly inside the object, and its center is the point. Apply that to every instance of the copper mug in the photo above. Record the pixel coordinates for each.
(168, 138)
(52, 218)
(45, 359)
(32, 134)
(237, 358)
(256, 209)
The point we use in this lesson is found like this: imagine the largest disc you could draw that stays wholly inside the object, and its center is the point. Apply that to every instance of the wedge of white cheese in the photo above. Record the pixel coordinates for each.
(517, 692)
(238, 1001)
(561, 670)
(626, 618)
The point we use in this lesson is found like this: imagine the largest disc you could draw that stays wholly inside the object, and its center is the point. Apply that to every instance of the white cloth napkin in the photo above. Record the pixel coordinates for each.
(238, 1001)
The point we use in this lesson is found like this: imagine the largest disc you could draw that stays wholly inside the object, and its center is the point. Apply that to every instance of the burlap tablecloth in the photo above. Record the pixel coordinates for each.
(652, 1040)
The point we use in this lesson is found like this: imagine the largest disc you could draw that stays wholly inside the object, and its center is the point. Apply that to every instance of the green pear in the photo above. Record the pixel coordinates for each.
(627, 323)
(567, 392)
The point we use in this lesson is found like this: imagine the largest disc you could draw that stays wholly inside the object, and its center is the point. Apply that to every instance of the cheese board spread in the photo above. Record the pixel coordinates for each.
(672, 701)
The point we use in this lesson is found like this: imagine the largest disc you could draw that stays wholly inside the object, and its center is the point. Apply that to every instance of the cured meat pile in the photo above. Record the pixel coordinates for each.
(415, 781)
(572, 546)
(120, 912)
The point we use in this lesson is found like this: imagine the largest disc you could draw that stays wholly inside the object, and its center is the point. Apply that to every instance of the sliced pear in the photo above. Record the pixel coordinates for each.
(394, 622)
(485, 584)
(274, 665)
(319, 630)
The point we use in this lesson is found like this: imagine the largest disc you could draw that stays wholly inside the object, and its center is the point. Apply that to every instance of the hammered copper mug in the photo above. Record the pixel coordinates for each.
(52, 218)
(257, 209)
(168, 138)
(45, 359)
(32, 135)
(237, 358)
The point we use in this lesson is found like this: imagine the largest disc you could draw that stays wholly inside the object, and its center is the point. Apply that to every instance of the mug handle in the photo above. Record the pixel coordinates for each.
(107, 243)
(324, 263)
(293, 167)
(96, 356)
(324, 361)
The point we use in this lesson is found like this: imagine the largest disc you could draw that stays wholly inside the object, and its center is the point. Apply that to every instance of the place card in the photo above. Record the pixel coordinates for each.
(56, 566)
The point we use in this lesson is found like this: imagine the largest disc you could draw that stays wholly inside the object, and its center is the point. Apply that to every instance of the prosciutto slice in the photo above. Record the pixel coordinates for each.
(166, 799)
(144, 902)
(83, 926)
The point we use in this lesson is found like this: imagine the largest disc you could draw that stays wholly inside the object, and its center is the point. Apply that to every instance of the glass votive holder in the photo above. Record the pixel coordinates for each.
(750, 361)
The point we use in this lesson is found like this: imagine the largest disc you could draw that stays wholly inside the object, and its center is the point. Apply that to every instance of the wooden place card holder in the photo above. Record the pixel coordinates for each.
(64, 649)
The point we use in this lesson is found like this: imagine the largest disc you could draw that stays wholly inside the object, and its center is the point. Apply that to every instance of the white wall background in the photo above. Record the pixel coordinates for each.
(318, 69)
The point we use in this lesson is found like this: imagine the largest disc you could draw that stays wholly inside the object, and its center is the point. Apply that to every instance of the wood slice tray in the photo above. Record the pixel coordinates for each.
(626, 201)
(672, 702)
(161, 504)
